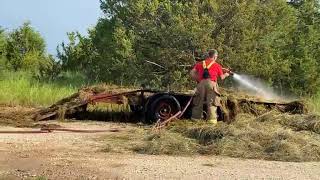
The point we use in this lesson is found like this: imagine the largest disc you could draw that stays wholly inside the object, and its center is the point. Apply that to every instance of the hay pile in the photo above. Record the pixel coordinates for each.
(232, 103)
(76, 103)
(271, 136)
(16, 116)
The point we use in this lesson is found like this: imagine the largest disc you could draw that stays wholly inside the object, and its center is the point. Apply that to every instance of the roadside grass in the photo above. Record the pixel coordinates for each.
(272, 136)
(19, 88)
(314, 103)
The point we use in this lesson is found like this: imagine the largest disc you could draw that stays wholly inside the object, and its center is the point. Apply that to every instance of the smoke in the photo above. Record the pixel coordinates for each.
(256, 87)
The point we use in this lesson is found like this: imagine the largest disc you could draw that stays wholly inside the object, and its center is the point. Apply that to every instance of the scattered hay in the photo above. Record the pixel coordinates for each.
(271, 136)
(301, 123)
(124, 141)
(167, 143)
(77, 102)
(144, 141)
(233, 104)
(16, 116)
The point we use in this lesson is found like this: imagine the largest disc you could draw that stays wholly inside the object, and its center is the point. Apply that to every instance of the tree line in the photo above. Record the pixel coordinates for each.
(24, 49)
(275, 40)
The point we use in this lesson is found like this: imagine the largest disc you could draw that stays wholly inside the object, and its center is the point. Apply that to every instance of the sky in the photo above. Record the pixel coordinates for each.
(51, 18)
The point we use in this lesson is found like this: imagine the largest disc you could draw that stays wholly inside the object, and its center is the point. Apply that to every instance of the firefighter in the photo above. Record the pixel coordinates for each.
(206, 73)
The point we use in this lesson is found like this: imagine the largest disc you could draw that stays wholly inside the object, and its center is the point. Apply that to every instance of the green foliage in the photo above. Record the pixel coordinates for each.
(305, 73)
(49, 70)
(79, 54)
(25, 49)
(164, 32)
(314, 103)
(273, 40)
(2, 48)
(253, 37)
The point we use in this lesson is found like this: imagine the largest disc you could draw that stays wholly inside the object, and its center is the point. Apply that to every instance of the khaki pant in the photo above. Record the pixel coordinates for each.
(205, 95)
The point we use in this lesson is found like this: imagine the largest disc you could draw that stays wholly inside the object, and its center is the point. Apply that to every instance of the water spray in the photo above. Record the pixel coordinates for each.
(257, 86)
(254, 85)
(244, 82)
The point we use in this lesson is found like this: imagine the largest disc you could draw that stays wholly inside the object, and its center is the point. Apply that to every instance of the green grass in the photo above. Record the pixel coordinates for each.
(19, 88)
(314, 103)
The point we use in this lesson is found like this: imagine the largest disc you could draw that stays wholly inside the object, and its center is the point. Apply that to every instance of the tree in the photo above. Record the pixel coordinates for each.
(25, 48)
(250, 35)
(79, 54)
(2, 48)
(165, 32)
(273, 40)
(305, 74)
(49, 70)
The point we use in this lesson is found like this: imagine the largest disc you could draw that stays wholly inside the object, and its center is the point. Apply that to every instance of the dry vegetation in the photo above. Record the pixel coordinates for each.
(16, 116)
(272, 136)
(259, 131)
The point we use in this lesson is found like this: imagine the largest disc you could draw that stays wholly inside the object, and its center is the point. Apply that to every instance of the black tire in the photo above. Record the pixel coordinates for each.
(162, 108)
(137, 109)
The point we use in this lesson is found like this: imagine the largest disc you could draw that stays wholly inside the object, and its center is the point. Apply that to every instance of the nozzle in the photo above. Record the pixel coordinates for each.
(228, 71)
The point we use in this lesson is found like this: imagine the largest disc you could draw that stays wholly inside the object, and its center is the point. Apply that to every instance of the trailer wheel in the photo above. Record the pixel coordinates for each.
(136, 109)
(163, 108)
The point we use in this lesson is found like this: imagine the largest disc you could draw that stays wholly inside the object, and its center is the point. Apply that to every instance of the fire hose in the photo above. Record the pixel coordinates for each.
(178, 115)
(50, 130)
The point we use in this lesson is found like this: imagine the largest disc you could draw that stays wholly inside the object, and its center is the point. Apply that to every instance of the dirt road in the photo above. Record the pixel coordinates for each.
(61, 155)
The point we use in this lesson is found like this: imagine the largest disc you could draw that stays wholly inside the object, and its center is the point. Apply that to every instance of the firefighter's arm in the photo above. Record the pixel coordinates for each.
(194, 74)
(223, 73)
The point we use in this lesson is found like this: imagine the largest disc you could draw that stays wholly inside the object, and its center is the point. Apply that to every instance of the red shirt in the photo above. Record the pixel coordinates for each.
(215, 70)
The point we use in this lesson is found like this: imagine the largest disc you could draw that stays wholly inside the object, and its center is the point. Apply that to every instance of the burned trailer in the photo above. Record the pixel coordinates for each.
(152, 105)
(160, 106)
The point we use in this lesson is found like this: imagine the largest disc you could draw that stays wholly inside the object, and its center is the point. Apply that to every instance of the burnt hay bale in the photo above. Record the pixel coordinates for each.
(302, 122)
(232, 106)
(230, 109)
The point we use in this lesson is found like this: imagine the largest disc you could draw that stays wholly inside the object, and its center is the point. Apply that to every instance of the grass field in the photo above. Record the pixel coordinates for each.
(19, 88)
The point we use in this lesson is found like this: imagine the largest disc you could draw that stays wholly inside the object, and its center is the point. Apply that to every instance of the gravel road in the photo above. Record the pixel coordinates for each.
(63, 155)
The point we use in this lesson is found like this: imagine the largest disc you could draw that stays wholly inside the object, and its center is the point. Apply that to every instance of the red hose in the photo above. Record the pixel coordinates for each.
(49, 130)
(24, 132)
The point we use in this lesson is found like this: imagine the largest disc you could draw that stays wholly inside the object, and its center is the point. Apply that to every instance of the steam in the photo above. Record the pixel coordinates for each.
(256, 87)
